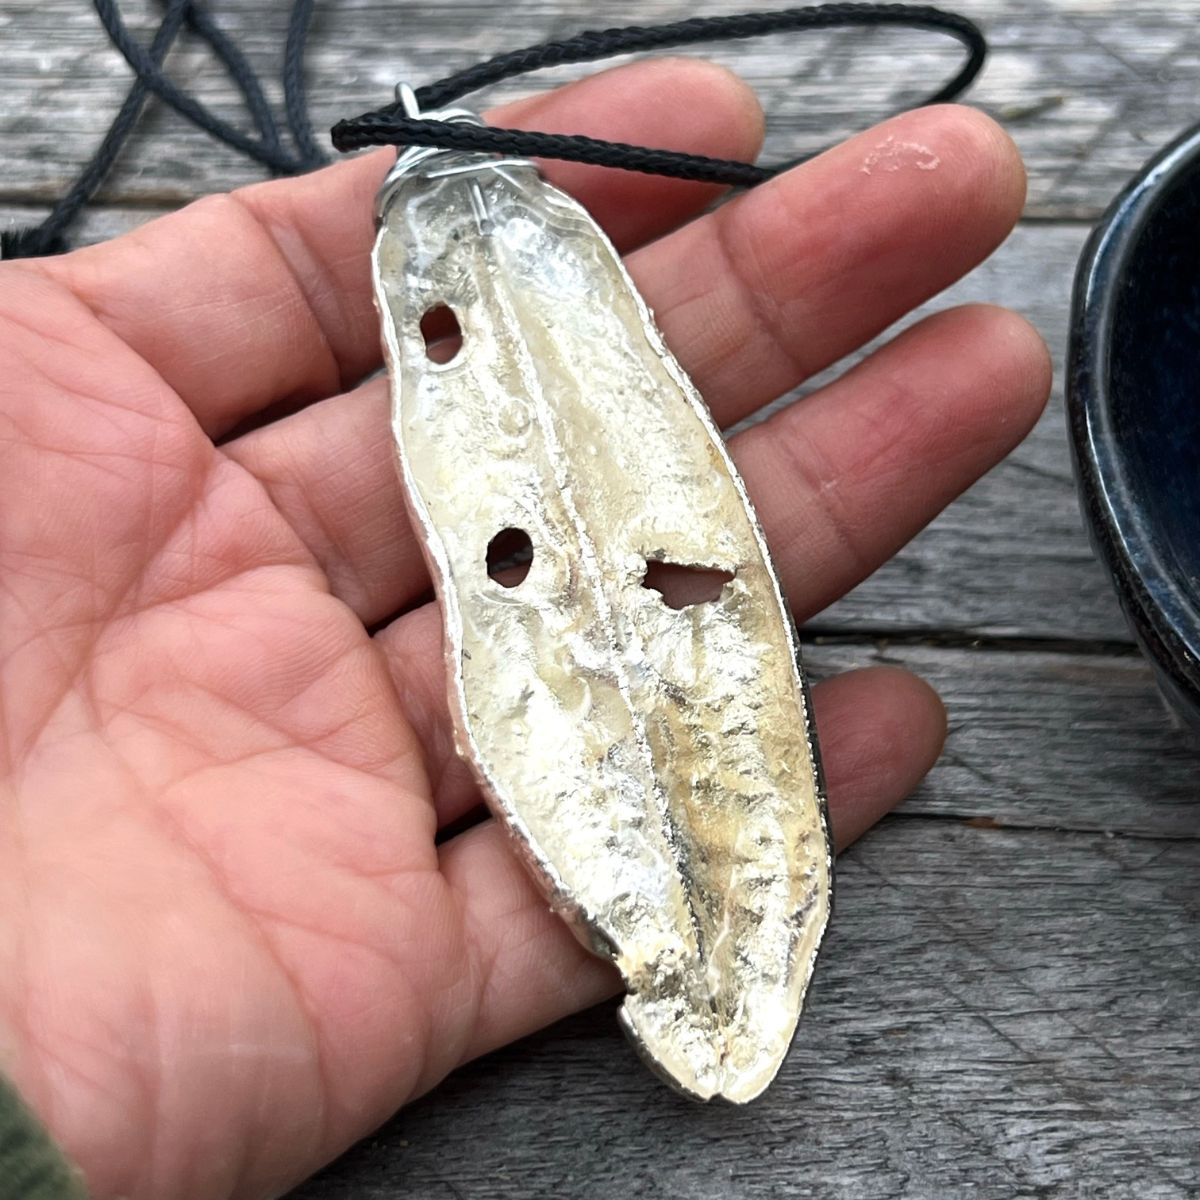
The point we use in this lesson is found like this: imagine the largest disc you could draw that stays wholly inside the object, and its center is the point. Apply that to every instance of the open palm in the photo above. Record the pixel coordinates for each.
(231, 942)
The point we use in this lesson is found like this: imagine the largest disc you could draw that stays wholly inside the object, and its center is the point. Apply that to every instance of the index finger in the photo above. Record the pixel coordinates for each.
(263, 295)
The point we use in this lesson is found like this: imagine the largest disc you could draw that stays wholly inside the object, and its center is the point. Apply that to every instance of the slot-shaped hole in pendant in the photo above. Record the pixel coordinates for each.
(442, 334)
(509, 557)
(682, 585)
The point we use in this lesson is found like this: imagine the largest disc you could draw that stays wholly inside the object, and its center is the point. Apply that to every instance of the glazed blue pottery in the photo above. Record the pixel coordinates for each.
(1133, 393)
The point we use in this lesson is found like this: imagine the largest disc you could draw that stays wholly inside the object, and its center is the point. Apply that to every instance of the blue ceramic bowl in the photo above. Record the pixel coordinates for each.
(1133, 394)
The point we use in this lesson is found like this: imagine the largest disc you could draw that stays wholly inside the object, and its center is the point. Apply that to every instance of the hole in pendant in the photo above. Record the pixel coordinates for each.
(442, 334)
(509, 557)
(682, 586)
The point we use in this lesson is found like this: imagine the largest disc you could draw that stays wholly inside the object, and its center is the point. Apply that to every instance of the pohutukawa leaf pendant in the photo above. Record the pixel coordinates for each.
(623, 668)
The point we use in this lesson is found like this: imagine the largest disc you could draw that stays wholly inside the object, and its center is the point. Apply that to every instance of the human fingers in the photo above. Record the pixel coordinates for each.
(844, 478)
(840, 480)
(752, 298)
(785, 280)
(263, 295)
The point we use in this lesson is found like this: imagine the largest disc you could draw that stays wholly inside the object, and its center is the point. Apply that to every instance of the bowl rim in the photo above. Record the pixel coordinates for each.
(1164, 616)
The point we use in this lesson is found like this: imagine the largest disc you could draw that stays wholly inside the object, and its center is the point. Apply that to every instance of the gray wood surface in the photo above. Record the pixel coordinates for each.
(1065, 739)
(1008, 1004)
(999, 1014)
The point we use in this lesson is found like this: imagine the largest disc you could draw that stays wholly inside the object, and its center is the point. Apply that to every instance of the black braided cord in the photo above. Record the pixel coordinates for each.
(50, 236)
(391, 125)
(268, 147)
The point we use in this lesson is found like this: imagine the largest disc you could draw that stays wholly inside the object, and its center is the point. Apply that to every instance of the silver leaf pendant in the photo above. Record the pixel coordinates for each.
(626, 687)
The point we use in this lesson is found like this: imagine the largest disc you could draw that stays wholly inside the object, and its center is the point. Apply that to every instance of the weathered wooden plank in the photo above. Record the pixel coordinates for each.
(95, 224)
(1088, 87)
(1002, 1012)
(1054, 740)
(1010, 558)
(998, 1014)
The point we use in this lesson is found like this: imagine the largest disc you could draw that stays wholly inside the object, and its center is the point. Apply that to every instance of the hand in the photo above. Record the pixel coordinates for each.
(229, 944)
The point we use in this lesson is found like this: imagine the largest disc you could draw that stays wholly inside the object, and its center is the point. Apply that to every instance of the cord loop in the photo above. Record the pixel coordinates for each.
(392, 125)
(403, 123)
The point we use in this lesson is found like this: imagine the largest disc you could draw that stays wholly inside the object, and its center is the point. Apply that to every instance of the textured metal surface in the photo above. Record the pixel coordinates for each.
(653, 760)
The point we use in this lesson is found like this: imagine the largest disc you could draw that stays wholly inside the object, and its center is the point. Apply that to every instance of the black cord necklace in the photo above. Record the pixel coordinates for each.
(393, 125)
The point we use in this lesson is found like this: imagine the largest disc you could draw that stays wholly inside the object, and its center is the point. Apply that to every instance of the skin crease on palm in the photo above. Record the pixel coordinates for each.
(229, 944)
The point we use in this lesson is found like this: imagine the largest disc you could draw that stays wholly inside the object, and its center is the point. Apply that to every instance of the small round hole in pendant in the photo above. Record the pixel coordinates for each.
(442, 334)
(509, 557)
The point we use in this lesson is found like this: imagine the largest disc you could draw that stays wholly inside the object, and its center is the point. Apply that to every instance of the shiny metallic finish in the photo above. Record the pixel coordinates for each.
(651, 753)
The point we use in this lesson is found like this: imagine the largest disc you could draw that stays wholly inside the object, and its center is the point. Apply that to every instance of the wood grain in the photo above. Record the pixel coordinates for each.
(998, 1014)
(1087, 87)
(1057, 740)
(1007, 1004)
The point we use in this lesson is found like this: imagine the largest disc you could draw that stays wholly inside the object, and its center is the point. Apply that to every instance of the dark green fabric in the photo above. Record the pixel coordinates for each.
(32, 1167)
